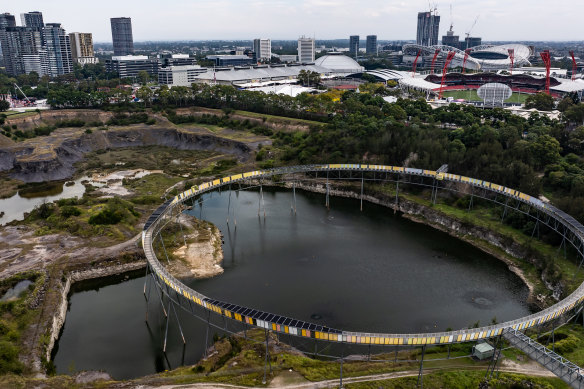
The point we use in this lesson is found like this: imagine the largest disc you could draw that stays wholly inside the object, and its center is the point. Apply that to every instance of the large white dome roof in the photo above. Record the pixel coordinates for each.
(339, 63)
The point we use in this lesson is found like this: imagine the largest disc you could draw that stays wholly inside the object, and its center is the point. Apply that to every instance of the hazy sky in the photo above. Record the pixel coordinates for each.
(325, 19)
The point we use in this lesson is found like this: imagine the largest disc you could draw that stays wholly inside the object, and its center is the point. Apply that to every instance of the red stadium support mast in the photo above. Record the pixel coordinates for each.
(449, 57)
(512, 58)
(574, 66)
(466, 54)
(434, 60)
(545, 56)
(416, 63)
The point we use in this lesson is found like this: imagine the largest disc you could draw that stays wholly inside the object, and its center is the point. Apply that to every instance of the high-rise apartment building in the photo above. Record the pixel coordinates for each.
(22, 49)
(428, 25)
(6, 20)
(32, 19)
(354, 45)
(263, 48)
(306, 49)
(371, 44)
(58, 50)
(122, 36)
(82, 48)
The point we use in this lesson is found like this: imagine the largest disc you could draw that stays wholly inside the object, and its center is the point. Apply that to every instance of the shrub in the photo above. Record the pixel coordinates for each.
(88, 131)
(107, 216)
(68, 211)
(44, 210)
(9, 362)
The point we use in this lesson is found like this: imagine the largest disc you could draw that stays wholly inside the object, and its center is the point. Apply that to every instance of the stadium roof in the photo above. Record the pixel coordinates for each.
(388, 74)
(521, 55)
(340, 64)
(240, 75)
(288, 90)
(568, 86)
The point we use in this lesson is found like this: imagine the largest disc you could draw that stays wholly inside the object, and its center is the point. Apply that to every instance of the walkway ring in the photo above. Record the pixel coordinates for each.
(558, 220)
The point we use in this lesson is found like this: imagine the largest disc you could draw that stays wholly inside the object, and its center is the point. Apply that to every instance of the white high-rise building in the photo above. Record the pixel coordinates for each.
(262, 48)
(306, 48)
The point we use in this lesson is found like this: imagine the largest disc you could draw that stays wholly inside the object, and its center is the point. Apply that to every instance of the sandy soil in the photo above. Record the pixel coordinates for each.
(112, 184)
(202, 256)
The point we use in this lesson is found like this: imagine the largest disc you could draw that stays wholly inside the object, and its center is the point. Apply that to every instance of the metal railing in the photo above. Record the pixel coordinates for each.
(282, 324)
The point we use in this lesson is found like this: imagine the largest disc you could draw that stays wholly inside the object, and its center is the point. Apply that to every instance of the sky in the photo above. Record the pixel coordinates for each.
(166, 20)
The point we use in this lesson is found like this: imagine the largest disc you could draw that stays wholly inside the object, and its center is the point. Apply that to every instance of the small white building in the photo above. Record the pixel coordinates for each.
(483, 351)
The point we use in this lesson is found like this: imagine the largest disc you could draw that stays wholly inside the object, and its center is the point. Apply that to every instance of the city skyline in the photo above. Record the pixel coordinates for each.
(324, 19)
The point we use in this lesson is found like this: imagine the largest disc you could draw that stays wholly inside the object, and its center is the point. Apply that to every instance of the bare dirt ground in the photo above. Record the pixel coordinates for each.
(202, 255)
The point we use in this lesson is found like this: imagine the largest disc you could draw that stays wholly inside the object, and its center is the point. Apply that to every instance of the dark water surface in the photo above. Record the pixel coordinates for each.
(352, 270)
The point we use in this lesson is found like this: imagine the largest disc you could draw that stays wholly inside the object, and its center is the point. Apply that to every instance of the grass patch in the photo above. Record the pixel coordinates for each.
(15, 316)
(113, 220)
(274, 118)
(471, 95)
(15, 114)
(463, 380)
(8, 186)
(173, 162)
(151, 186)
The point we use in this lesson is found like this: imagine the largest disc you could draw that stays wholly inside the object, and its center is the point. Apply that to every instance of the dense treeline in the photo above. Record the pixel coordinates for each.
(535, 155)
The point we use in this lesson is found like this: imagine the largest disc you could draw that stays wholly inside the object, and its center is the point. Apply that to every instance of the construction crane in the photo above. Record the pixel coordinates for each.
(470, 30)
(25, 96)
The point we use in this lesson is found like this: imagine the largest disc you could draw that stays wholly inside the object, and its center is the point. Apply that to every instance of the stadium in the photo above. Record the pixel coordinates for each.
(484, 57)
(490, 64)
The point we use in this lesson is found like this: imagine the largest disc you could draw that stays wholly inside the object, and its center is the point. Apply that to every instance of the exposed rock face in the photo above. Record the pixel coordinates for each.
(202, 256)
(52, 157)
(65, 287)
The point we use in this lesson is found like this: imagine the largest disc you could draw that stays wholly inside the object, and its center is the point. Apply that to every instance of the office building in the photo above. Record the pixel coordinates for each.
(168, 59)
(122, 36)
(22, 50)
(428, 25)
(82, 48)
(58, 50)
(128, 66)
(371, 45)
(179, 75)
(306, 50)
(32, 19)
(231, 60)
(263, 49)
(354, 45)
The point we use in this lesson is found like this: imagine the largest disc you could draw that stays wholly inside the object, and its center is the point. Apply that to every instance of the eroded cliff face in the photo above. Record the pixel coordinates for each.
(52, 157)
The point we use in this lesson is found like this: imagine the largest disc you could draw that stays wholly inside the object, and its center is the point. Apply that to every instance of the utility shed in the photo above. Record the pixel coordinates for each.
(482, 351)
